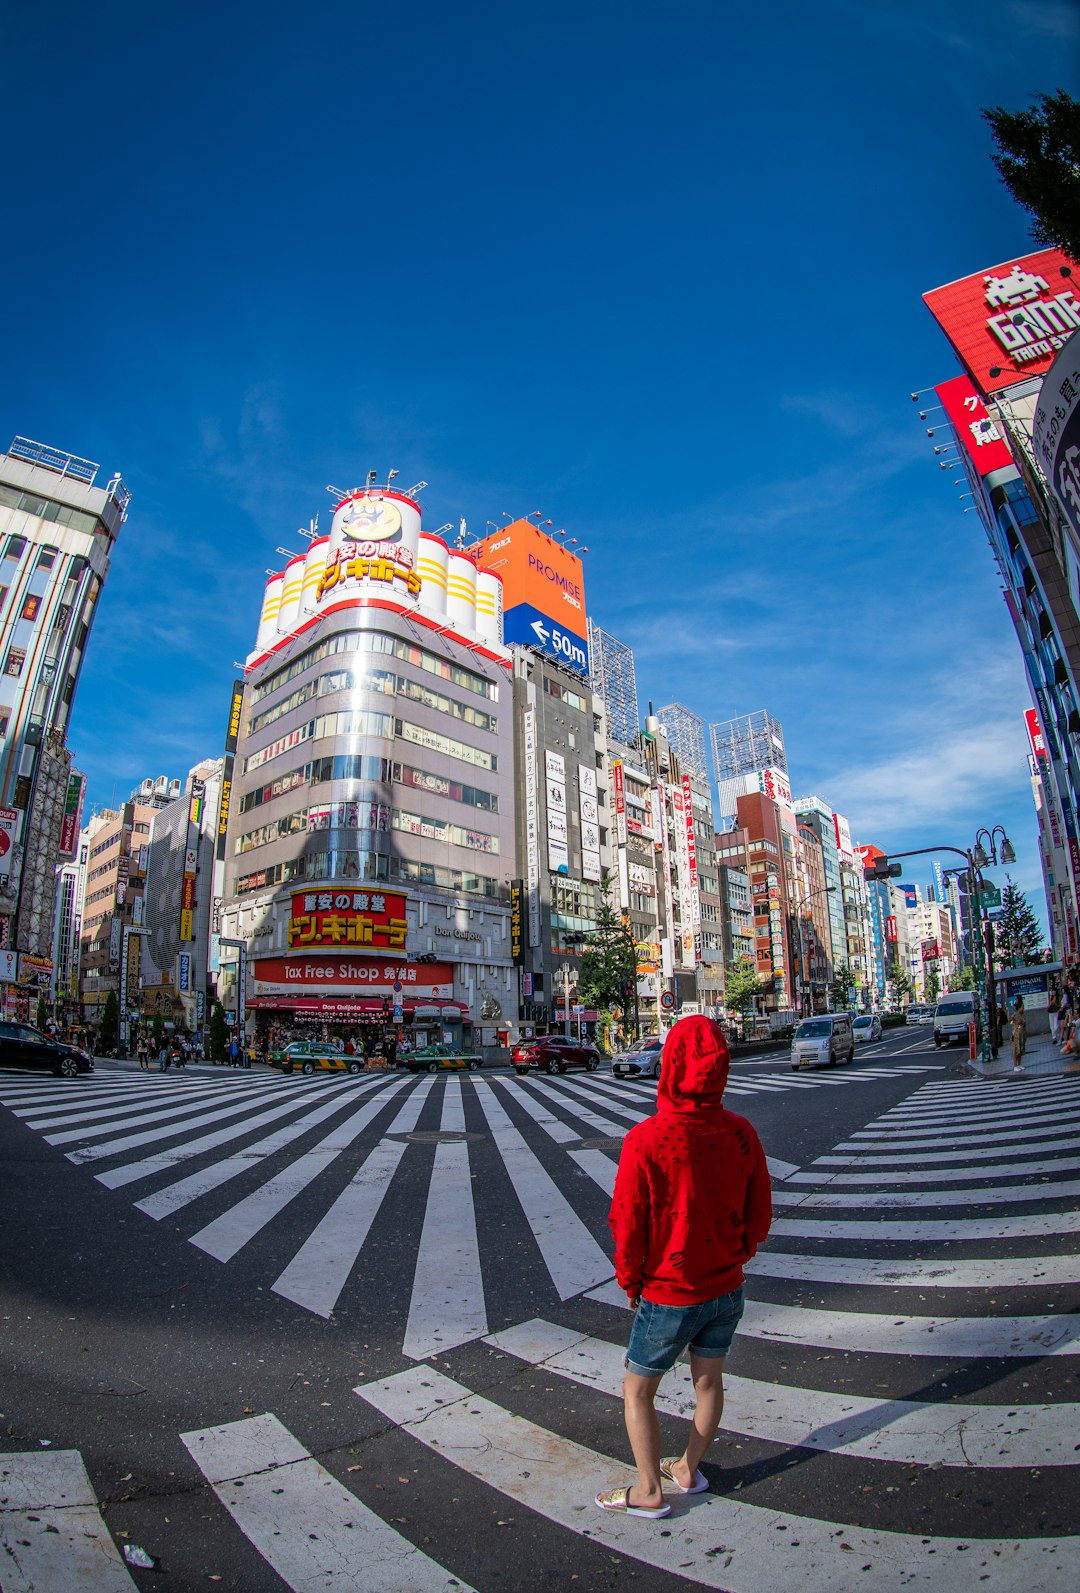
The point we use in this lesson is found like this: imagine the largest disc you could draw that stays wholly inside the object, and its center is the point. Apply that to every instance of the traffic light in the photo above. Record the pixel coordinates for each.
(883, 869)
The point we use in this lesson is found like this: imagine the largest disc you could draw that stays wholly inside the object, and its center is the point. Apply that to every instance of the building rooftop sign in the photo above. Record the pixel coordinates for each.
(1007, 324)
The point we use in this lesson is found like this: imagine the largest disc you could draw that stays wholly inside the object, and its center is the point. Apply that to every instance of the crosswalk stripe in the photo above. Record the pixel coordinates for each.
(320, 1269)
(182, 1113)
(447, 1303)
(959, 1131)
(1035, 1225)
(978, 1116)
(51, 1532)
(925, 1158)
(938, 1272)
(573, 1258)
(114, 1147)
(593, 1163)
(954, 1175)
(585, 1114)
(896, 1199)
(963, 1337)
(173, 1196)
(909, 1432)
(719, 1542)
(98, 1108)
(310, 1529)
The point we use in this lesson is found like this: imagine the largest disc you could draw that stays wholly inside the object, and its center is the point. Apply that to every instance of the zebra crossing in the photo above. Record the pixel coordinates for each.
(907, 1338)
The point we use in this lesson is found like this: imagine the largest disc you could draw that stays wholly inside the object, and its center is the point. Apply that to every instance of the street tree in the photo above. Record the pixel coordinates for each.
(1038, 157)
(157, 1029)
(741, 987)
(841, 984)
(41, 1017)
(608, 962)
(933, 985)
(219, 1033)
(963, 978)
(110, 1023)
(900, 980)
(1019, 938)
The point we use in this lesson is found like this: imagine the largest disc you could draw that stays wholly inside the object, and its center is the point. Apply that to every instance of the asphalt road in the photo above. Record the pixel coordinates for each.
(289, 1333)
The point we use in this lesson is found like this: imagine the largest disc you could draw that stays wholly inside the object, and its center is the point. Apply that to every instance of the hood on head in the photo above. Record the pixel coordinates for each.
(695, 1067)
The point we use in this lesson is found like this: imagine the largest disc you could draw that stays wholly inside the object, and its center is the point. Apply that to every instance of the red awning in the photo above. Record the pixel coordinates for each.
(344, 1008)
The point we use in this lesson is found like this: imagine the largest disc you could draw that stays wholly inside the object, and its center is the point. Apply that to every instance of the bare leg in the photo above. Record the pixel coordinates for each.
(643, 1430)
(708, 1375)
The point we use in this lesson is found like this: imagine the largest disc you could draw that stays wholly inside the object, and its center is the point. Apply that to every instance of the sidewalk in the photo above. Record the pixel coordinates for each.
(1042, 1059)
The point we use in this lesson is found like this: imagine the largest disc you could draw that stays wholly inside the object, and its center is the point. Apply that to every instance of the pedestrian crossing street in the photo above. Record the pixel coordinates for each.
(905, 1372)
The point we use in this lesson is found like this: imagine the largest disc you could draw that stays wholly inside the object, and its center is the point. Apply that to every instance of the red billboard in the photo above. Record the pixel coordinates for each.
(981, 437)
(1035, 735)
(1011, 319)
(332, 919)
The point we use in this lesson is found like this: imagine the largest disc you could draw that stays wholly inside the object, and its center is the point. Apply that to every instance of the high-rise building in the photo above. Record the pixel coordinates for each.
(749, 756)
(615, 683)
(686, 733)
(815, 814)
(57, 531)
(370, 834)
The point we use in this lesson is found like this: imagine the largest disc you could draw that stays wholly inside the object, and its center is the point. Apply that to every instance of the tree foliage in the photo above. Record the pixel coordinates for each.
(932, 985)
(110, 1021)
(608, 962)
(157, 1030)
(741, 986)
(1018, 935)
(963, 978)
(841, 984)
(1038, 157)
(41, 1016)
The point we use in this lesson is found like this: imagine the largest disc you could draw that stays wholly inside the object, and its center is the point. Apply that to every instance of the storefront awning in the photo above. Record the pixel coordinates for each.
(344, 1009)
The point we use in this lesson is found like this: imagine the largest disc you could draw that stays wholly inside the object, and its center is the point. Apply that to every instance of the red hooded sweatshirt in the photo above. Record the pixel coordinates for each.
(692, 1196)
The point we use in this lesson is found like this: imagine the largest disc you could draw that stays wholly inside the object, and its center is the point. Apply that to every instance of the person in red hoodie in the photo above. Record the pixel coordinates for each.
(692, 1203)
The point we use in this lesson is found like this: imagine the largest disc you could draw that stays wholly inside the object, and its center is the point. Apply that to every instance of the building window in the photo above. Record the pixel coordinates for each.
(16, 658)
(46, 558)
(15, 547)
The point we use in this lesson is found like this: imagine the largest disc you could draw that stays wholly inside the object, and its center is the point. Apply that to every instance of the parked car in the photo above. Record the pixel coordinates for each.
(550, 1053)
(918, 1013)
(436, 1058)
(639, 1061)
(954, 1013)
(308, 1056)
(823, 1041)
(867, 1026)
(24, 1047)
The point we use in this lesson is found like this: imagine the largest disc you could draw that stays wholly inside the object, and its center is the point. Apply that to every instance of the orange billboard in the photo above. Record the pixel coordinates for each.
(543, 591)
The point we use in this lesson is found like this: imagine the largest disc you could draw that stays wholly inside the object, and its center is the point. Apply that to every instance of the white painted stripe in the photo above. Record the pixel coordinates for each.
(897, 1199)
(1036, 1224)
(52, 1536)
(173, 1196)
(573, 1258)
(940, 1097)
(309, 1529)
(92, 1109)
(447, 1302)
(181, 1113)
(320, 1269)
(634, 1110)
(780, 1169)
(600, 1168)
(943, 1175)
(556, 1479)
(167, 1159)
(228, 1233)
(1023, 1128)
(1002, 1272)
(904, 1431)
(948, 1117)
(866, 1332)
(923, 1158)
(600, 1125)
(114, 1147)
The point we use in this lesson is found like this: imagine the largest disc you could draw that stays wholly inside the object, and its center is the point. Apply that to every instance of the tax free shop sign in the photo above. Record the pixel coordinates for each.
(543, 592)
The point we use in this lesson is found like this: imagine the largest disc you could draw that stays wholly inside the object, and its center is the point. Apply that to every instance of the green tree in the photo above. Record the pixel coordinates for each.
(157, 1030)
(608, 962)
(841, 984)
(41, 1016)
(1038, 157)
(933, 985)
(741, 986)
(1019, 938)
(219, 1033)
(110, 1021)
(963, 978)
(900, 980)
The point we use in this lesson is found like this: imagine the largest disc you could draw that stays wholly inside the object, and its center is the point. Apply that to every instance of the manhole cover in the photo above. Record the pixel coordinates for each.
(436, 1137)
(595, 1144)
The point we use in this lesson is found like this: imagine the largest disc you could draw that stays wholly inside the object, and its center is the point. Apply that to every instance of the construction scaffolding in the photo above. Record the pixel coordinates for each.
(613, 679)
(686, 737)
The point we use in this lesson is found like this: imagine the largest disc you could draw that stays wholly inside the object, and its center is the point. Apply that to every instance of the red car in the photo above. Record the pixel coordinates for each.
(550, 1053)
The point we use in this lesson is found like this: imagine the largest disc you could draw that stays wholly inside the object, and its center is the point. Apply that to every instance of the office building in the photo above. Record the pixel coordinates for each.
(686, 736)
(615, 683)
(749, 757)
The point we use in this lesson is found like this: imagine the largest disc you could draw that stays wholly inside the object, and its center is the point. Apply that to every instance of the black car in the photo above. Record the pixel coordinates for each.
(24, 1047)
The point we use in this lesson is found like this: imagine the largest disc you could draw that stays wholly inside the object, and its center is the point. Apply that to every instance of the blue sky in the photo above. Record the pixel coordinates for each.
(655, 270)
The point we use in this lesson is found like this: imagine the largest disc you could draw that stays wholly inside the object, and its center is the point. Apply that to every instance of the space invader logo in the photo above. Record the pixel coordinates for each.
(1019, 287)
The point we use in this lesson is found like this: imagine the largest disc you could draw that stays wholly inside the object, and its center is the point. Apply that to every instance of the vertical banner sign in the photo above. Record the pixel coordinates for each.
(200, 1005)
(517, 944)
(532, 825)
(241, 993)
(191, 860)
(185, 970)
(69, 824)
(620, 801)
(132, 961)
(558, 844)
(114, 944)
(232, 734)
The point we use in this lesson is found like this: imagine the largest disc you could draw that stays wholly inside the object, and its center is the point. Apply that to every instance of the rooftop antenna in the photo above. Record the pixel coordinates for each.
(312, 530)
(417, 486)
(461, 537)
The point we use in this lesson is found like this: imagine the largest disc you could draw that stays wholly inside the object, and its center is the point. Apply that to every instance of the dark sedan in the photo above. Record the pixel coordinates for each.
(24, 1047)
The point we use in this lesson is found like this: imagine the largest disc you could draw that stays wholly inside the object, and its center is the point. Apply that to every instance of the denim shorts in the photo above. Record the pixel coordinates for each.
(661, 1333)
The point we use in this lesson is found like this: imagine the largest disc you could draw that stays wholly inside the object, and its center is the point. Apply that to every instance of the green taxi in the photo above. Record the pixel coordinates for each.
(436, 1058)
(307, 1056)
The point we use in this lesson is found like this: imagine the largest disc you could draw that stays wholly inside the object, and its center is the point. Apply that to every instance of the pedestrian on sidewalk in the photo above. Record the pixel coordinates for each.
(692, 1203)
(1019, 1032)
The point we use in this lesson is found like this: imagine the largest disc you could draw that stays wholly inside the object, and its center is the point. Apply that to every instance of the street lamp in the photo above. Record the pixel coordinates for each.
(995, 838)
(823, 890)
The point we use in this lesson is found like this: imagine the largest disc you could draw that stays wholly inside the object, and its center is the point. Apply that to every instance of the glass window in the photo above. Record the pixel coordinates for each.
(14, 548)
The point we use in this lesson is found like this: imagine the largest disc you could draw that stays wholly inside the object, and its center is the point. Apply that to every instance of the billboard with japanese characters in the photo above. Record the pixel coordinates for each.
(330, 920)
(1008, 323)
(1056, 431)
(543, 587)
(980, 436)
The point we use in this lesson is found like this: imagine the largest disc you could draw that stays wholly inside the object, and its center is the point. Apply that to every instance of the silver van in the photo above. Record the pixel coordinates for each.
(954, 1013)
(823, 1041)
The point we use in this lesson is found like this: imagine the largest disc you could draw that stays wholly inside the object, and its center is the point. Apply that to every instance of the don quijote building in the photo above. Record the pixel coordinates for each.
(368, 811)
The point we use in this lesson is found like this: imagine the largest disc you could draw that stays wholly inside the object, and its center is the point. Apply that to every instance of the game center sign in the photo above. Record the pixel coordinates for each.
(1011, 320)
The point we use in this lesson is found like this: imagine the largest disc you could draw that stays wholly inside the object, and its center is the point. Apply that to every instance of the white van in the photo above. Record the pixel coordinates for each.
(823, 1041)
(953, 1014)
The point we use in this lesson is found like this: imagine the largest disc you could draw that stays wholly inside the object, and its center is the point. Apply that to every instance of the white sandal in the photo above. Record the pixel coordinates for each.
(618, 1499)
(700, 1484)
